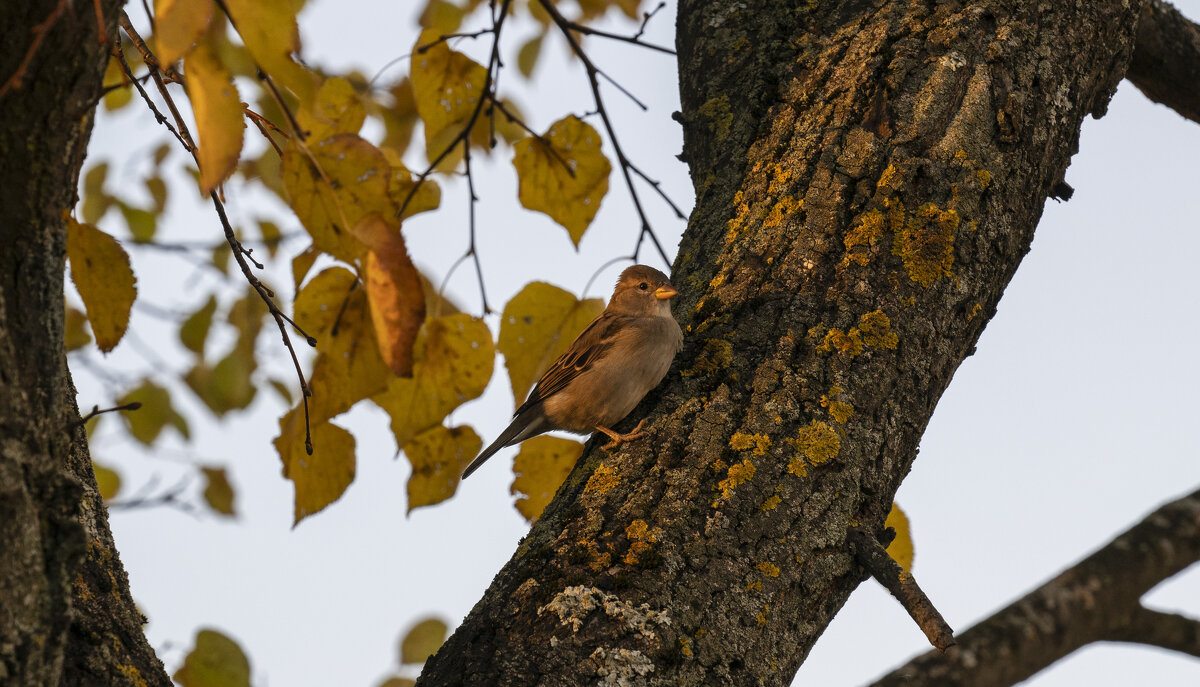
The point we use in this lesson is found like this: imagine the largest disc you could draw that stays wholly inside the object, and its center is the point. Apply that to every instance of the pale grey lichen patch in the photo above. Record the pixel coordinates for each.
(573, 605)
(621, 667)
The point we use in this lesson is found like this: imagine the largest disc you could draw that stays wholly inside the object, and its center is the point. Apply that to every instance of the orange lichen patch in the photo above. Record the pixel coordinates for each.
(735, 225)
(716, 355)
(924, 241)
(863, 237)
(885, 179)
(738, 474)
(818, 442)
(640, 539)
(769, 569)
(876, 330)
(796, 467)
(718, 465)
(754, 586)
(984, 178)
(840, 411)
(685, 646)
(602, 480)
(849, 343)
(770, 503)
(597, 560)
(784, 208)
(132, 674)
(975, 310)
(780, 176)
(740, 441)
(763, 614)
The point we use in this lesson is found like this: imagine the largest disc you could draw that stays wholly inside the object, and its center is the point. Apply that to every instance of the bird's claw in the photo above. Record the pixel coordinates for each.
(618, 439)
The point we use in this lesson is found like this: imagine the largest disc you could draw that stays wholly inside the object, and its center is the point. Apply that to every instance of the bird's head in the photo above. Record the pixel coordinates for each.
(643, 290)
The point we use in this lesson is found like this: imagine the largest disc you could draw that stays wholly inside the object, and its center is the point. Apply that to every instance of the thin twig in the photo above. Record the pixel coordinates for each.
(240, 252)
(448, 36)
(170, 497)
(626, 166)
(871, 555)
(263, 124)
(635, 39)
(39, 32)
(97, 411)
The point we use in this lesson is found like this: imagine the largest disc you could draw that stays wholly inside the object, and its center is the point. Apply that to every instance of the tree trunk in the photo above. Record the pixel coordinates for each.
(66, 616)
(868, 177)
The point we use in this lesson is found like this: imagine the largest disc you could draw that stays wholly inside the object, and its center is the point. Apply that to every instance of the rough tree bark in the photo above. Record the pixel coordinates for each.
(868, 177)
(66, 616)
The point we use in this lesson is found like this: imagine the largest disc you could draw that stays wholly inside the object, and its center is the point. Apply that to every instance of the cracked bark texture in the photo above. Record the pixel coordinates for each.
(1097, 599)
(868, 177)
(66, 616)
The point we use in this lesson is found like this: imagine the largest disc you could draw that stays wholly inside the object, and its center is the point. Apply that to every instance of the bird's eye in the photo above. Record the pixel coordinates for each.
(643, 286)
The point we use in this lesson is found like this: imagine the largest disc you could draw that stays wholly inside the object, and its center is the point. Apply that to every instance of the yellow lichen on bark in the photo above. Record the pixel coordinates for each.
(602, 480)
(818, 442)
(738, 474)
(741, 441)
(861, 239)
(924, 241)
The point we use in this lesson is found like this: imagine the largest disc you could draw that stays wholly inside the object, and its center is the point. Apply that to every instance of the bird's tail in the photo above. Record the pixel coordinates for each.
(522, 427)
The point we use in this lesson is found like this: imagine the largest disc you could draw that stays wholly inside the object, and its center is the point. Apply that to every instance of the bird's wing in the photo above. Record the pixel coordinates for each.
(588, 347)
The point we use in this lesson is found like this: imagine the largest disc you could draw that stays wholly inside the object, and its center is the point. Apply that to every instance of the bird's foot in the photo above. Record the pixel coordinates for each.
(618, 439)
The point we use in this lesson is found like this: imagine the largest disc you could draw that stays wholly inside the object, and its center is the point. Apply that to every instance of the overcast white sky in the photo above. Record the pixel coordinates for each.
(1075, 417)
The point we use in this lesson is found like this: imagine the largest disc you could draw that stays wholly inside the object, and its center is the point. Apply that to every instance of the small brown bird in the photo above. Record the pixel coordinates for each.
(618, 359)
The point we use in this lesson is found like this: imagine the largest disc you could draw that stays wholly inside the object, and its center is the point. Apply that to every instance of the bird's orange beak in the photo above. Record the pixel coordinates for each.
(662, 293)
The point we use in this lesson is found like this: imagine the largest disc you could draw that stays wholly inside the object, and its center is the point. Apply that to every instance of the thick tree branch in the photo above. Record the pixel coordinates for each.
(1166, 59)
(1097, 599)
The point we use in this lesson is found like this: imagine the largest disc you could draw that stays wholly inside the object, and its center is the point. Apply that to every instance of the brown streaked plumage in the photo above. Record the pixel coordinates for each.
(607, 370)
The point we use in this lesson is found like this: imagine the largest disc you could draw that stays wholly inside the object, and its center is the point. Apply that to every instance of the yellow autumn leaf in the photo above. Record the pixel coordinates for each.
(320, 478)
(350, 183)
(447, 86)
(566, 177)
(901, 548)
(393, 292)
(427, 196)
(438, 456)
(227, 385)
(336, 110)
(537, 326)
(96, 200)
(121, 93)
(218, 492)
(452, 364)
(75, 335)
(268, 28)
(193, 333)
(540, 467)
(107, 481)
(216, 661)
(218, 111)
(422, 640)
(301, 264)
(147, 422)
(100, 271)
(348, 367)
(178, 25)
(527, 56)
(399, 118)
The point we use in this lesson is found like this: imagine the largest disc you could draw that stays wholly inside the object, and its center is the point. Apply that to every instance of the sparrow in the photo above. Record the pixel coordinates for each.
(607, 370)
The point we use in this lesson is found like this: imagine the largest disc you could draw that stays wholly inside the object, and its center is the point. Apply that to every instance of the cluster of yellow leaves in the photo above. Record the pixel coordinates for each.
(380, 331)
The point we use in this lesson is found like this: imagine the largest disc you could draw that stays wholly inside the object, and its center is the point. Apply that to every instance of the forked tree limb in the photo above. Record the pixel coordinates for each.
(1097, 599)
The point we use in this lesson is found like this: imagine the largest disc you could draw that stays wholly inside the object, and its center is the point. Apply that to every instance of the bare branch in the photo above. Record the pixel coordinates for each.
(871, 555)
(1166, 59)
(627, 167)
(97, 411)
(635, 39)
(1097, 599)
(1164, 630)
